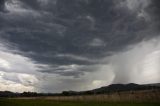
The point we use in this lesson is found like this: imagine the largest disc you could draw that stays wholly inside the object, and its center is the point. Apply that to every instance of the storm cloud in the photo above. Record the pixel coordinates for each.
(2, 5)
(74, 40)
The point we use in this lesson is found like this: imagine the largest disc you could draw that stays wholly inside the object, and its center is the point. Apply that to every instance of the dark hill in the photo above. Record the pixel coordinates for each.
(125, 87)
(115, 88)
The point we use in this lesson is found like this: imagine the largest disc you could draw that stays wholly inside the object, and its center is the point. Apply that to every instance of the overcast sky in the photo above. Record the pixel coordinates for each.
(56, 45)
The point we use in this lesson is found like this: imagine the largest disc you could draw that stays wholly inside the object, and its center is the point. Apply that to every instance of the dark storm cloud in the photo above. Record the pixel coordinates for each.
(40, 5)
(91, 29)
(70, 70)
(2, 5)
(31, 3)
(154, 10)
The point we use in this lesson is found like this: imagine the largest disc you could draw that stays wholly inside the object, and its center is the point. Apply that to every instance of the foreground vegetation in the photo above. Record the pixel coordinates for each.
(127, 98)
(44, 102)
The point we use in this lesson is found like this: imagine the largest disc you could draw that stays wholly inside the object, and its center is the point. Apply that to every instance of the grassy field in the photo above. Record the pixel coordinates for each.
(43, 102)
(138, 98)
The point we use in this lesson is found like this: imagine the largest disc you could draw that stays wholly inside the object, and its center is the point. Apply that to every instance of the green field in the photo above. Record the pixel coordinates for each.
(38, 102)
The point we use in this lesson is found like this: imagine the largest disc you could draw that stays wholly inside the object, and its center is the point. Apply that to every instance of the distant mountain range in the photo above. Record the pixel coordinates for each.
(116, 88)
(126, 87)
(103, 90)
